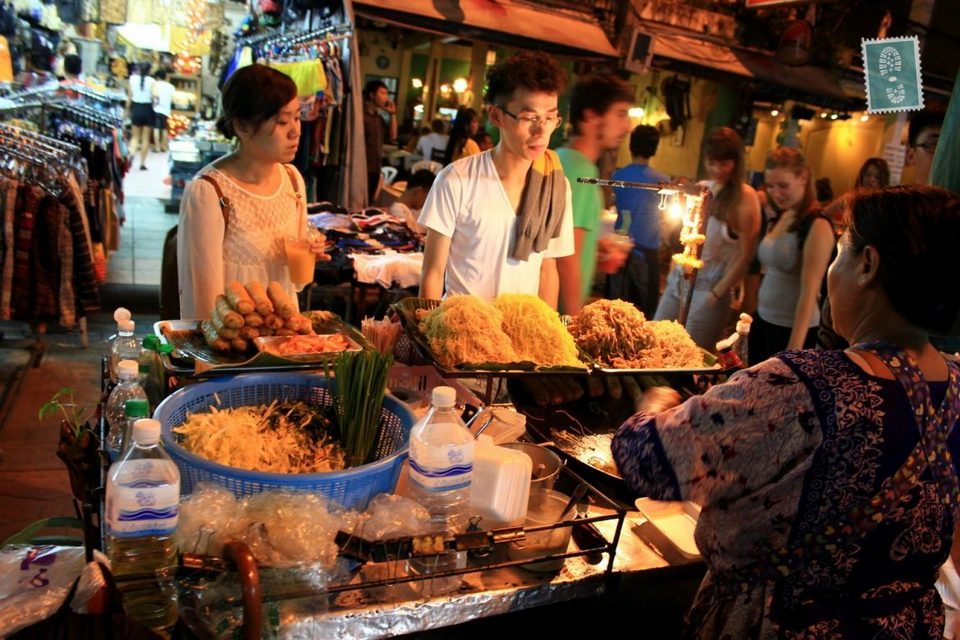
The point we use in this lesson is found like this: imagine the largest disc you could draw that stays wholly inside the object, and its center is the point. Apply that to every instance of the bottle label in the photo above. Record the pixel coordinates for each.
(441, 469)
(146, 503)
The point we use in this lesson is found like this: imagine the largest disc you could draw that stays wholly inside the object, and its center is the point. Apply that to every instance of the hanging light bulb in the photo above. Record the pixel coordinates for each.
(676, 211)
(663, 201)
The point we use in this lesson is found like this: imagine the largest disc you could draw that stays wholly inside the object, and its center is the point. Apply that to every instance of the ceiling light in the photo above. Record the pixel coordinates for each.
(774, 112)
(864, 117)
(636, 112)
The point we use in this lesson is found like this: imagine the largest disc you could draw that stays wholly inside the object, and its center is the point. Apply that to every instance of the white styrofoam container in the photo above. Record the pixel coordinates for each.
(500, 487)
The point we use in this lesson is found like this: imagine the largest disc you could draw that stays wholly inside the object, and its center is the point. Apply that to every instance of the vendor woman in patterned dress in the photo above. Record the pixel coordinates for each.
(828, 479)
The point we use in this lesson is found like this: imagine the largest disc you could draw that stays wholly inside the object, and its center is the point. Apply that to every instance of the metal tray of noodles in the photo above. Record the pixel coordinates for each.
(711, 366)
(193, 356)
(407, 310)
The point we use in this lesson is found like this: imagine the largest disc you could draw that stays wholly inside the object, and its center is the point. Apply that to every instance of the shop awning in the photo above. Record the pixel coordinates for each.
(498, 22)
(807, 79)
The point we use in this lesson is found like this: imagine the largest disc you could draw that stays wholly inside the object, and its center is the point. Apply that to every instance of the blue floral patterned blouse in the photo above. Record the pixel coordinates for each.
(810, 527)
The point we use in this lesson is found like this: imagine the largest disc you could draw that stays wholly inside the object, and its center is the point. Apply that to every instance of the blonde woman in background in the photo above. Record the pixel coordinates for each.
(795, 253)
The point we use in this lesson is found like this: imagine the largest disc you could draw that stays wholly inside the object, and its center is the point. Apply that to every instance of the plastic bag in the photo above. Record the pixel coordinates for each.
(34, 581)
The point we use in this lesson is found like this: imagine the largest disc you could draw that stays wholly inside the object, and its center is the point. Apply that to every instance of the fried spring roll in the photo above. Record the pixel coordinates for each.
(259, 294)
(273, 321)
(224, 331)
(249, 333)
(229, 317)
(239, 299)
(213, 338)
(282, 305)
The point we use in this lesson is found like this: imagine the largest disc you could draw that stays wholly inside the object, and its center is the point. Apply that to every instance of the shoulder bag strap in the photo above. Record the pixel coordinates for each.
(293, 182)
(224, 201)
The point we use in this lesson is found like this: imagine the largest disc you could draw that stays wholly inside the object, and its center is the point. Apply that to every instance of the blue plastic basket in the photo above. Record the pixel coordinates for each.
(353, 488)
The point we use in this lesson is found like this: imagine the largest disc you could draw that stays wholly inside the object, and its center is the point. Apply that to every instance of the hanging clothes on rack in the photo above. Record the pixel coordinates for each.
(46, 259)
(312, 60)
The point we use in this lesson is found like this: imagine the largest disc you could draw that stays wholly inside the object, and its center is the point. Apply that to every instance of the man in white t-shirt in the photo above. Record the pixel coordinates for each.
(434, 144)
(473, 211)
(162, 108)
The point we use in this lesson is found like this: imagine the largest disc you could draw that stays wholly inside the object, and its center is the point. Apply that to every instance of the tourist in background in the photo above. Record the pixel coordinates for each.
(733, 222)
(794, 253)
(162, 107)
(599, 116)
(460, 143)
(140, 94)
(433, 145)
(638, 213)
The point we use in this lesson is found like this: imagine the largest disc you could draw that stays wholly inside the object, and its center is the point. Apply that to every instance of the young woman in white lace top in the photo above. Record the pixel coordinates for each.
(244, 240)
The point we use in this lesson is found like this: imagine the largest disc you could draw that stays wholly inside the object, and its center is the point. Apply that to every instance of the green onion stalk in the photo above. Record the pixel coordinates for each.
(361, 381)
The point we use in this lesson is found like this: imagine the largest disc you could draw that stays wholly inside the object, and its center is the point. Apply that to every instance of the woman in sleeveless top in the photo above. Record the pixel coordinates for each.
(140, 93)
(794, 253)
(828, 479)
(732, 228)
(244, 241)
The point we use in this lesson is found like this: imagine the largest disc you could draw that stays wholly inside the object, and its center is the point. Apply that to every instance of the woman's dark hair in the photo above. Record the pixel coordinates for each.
(459, 134)
(144, 72)
(161, 74)
(530, 70)
(253, 95)
(723, 144)
(914, 230)
(793, 161)
(882, 168)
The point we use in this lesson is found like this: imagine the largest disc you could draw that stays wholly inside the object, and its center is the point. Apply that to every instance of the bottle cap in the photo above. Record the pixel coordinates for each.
(127, 325)
(444, 397)
(136, 408)
(151, 342)
(146, 431)
(128, 369)
(743, 324)
(121, 314)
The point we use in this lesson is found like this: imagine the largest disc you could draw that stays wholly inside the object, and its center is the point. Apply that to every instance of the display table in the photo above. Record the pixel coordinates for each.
(493, 596)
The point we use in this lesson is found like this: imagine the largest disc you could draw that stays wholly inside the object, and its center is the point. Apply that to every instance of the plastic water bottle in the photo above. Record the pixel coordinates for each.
(441, 463)
(151, 368)
(741, 346)
(128, 389)
(143, 504)
(441, 470)
(133, 410)
(125, 347)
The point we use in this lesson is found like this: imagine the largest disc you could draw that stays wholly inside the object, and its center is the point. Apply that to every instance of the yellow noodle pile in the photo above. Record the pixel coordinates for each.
(536, 331)
(466, 330)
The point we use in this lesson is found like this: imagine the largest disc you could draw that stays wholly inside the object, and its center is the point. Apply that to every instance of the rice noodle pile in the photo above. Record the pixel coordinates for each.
(536, 331)
(269, 438)
(466, 330)
(616, 334)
